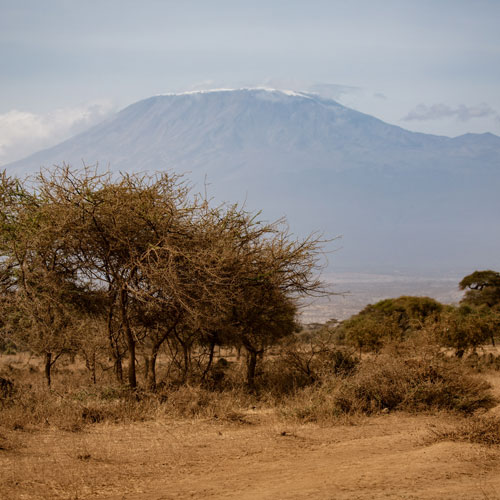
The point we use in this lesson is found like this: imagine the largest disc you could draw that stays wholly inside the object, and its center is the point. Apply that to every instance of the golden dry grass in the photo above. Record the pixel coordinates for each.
(202, 444)
(265, 457)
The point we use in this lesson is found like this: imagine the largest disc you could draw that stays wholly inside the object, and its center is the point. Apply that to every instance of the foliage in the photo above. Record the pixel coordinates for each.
(465, 327)
(318, 358)
(413, 384)
(387, 321)
(133, 263)
(482, 288)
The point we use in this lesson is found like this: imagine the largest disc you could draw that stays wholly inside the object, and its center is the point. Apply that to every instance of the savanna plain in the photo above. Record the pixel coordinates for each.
(150, 349)
(193, 443)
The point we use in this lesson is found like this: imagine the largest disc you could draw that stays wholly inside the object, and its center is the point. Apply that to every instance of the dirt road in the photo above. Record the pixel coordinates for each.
(390, 456)
(385, 458)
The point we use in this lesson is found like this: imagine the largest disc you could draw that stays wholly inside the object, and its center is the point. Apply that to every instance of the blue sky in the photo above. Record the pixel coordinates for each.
(430, 66)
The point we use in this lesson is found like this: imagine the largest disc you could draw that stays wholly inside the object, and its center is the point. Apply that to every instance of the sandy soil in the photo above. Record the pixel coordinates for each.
(255, 457)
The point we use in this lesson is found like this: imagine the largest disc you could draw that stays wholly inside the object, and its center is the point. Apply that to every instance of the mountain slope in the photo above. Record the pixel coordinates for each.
(399, 198)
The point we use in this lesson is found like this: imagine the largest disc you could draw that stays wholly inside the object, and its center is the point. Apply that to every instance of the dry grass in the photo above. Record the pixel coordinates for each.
(481, 429)
(390, 382)
(73, 402)
(81, 440)
(413, 384)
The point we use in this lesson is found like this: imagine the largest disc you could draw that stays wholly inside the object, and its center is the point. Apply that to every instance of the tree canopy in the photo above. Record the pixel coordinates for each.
(482, 288)
(149, 263)
(388, 320)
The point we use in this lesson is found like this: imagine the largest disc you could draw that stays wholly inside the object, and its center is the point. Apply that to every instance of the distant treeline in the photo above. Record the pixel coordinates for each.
(476, 321)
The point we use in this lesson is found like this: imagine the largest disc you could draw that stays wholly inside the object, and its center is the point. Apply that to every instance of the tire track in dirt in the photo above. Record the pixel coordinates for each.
(390, 459)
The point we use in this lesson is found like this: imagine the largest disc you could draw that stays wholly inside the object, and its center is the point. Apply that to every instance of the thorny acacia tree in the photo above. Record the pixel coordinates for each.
(153, 261)
(117, 223)
(45, 292)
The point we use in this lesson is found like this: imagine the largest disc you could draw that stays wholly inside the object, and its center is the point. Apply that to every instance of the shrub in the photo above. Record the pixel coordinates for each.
(394, 380)
(6, 389)
(196, 402)
(483, 429)
(316, 359)
(412, 384)
(465, 328)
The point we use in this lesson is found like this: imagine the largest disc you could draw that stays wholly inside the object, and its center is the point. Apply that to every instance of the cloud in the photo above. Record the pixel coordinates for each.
(333, 90)
(23, 132)
(462, 112)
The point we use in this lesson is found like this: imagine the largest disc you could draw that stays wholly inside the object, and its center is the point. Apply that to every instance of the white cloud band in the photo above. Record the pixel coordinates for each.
(438, 111)
(23, 133)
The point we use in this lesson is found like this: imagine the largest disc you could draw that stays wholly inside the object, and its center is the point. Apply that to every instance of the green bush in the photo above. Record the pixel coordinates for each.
(466, 327)
(388, 321)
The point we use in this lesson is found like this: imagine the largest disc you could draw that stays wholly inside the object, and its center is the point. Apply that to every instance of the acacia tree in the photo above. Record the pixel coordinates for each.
(234, 281)
(157, 319)
(187, 285)
(152, 262)
(482, 288)
(389, 320)
(47, 293)
(483, 293)
(272, 271)
(465, 327)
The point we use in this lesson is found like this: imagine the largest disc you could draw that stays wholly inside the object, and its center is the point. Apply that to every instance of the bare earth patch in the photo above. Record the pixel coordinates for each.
(389, 456)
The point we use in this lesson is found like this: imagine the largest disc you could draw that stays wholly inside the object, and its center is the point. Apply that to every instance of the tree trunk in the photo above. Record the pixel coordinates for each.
(147, 366)
(132, 380)
(151, 380)
(94, 378)
(114, 345)
(118, 369)
(185, 351)
(210, 359)
(48, 366)
(251, 366)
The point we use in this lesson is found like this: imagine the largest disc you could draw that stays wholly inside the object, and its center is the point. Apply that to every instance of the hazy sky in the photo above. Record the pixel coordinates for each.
(430, 66)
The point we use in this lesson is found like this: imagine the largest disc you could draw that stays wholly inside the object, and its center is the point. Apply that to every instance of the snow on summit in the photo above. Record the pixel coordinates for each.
(397, 197)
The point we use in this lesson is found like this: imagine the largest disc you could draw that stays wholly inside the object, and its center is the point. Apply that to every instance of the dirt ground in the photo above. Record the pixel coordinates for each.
(255, 457)
(255, 454)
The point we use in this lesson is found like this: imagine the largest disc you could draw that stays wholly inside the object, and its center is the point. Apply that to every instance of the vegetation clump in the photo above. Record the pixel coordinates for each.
(482, 289)
(465, 328)
(481, 429)
(389, 320)
(127, 266)
(413, 376)
(146, 301)
(391, 382)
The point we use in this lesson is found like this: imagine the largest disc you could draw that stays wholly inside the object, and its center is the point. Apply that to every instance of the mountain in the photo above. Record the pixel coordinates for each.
(400, 199)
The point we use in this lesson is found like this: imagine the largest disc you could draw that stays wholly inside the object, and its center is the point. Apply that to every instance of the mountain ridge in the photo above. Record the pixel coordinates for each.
(399, 198)
(131, 112)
